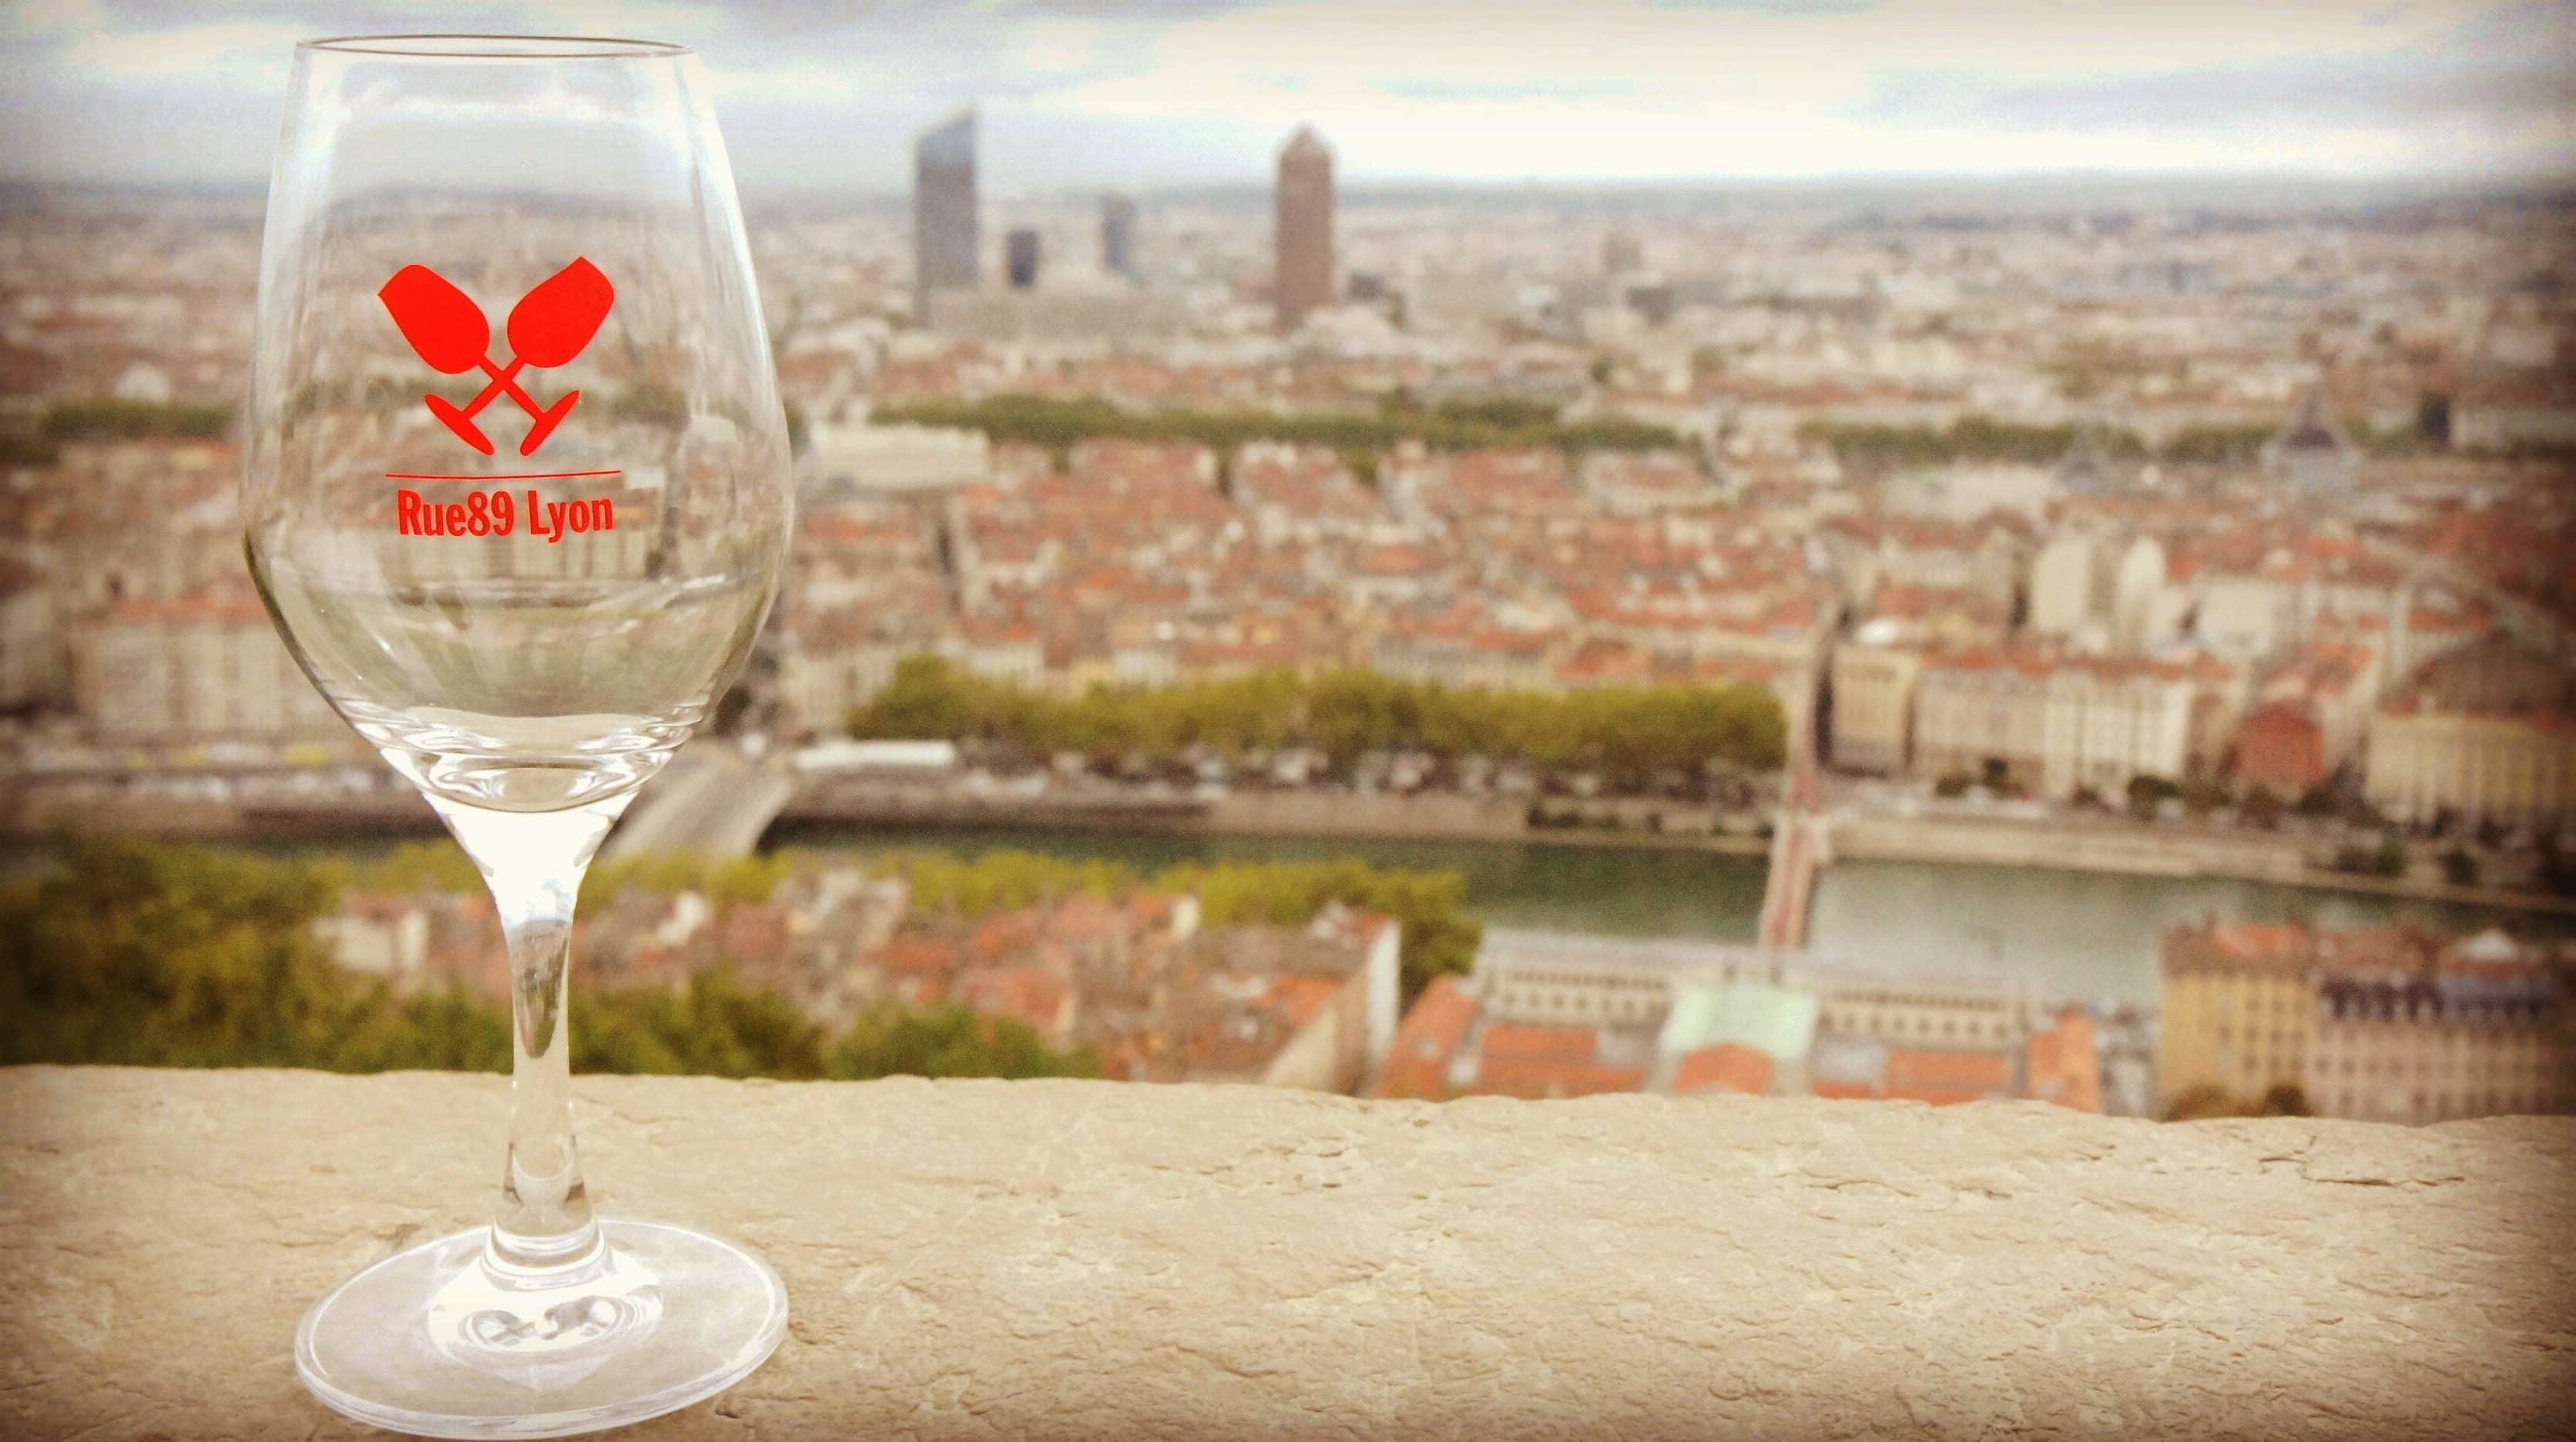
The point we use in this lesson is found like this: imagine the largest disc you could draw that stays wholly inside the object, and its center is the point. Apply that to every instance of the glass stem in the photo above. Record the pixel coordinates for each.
(534, 862)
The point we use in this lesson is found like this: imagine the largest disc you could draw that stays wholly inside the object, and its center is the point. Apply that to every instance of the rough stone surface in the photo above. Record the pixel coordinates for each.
(1088, 1260)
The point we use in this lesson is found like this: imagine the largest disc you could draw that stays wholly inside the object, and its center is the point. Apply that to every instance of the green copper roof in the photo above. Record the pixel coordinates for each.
(1773, 1020)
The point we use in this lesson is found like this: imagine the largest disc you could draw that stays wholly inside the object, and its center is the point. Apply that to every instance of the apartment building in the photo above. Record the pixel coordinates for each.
(207, 667)
(1874, 698)
(30, 652)
(2109, 720)
(2236, 1008)
(2384, 1024)
(829, 667)
(2055, 722)
(2482, 1030)
(2515, 768)
(1981, 710)
(2309, 720)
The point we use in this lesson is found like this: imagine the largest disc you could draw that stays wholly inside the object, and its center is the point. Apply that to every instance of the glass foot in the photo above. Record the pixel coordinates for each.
(439, 1343)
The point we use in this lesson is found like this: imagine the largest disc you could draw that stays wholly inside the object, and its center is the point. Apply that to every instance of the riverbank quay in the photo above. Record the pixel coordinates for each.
(39, 812)
(2101, 845)
(2144, 849)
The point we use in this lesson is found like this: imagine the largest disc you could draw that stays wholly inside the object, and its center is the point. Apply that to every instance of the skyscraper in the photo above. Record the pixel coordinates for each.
(1303, 243)
(943, 210)
(1020, 258)
(1118, 234)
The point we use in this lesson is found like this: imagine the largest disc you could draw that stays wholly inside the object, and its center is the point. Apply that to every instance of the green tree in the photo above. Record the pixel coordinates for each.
(1628, 732)
(724, 880)
(2201, 1102)
(2391, 857)
(949, 1041)
(1451, 425)
(711, 1026)
(2224, 444)
(1003, 880)
(2208, 1101)
(2433, 418)
(2283, 1099)
(2148, 794)
(137, 954)
(2262, 807)
(1439, 936)
(2460, 866)
(108, 419)
(1969, 438)
(134, 953)
(439, 865)
(18, 448)
(653, 403)
(925, 699)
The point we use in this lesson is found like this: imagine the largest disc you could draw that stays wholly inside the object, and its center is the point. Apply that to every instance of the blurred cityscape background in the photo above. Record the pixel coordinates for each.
(1861, 551)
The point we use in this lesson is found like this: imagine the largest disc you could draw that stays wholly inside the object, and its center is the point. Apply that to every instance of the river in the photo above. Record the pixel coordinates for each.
(2081, 936)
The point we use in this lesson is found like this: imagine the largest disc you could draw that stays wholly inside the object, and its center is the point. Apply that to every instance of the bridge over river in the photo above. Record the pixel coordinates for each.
(715, 800)
(1801, 842)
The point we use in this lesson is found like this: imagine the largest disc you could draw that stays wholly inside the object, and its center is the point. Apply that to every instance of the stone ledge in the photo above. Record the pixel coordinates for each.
(1091, 1260)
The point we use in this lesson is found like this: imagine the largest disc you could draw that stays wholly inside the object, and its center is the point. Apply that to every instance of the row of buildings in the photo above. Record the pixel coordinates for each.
(1157, 993)
(1138, 980)
(1523, 568)
(1552, 1015)
(2103, 633)
(2388, 1024)
(2391, 1024)
(2066, 723)
(2068, 650)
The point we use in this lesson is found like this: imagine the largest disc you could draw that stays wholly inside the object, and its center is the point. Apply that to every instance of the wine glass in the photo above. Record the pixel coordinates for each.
(517, 494)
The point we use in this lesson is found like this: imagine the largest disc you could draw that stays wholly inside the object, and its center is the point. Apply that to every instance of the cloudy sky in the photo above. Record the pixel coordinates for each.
(1149, 93)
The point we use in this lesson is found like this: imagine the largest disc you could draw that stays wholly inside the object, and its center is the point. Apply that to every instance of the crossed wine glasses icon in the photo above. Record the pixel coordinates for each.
(549, 326)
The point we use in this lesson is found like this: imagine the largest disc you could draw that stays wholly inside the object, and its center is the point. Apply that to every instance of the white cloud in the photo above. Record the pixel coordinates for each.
(1145, 92)
(1061, 45)
(190, 50)
(1626, 91)
(78, 17)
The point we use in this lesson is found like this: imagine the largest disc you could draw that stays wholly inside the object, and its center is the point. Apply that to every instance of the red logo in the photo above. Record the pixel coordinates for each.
(547, 328)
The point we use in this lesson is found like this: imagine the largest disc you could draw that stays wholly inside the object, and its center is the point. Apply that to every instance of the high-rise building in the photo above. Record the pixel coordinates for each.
(1303, 244)
(943, 210)
(1118, 234)
(1020, 258)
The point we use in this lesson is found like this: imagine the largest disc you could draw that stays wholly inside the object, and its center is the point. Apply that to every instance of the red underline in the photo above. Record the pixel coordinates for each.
(527, 476)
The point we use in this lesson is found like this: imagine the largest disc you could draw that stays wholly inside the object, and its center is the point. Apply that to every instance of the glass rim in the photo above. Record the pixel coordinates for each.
(461, 46)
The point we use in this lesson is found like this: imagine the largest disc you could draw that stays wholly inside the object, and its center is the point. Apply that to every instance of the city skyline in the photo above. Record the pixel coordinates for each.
(1821, 570)
(1149, 97)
